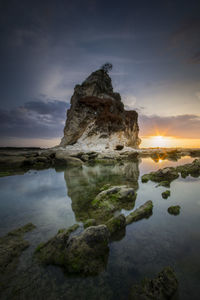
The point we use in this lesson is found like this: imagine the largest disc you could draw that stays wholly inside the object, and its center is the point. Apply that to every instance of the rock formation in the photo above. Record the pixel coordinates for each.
(97, 118)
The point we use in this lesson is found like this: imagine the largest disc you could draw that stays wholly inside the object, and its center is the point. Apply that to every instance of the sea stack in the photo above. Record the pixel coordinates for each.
(97, 119)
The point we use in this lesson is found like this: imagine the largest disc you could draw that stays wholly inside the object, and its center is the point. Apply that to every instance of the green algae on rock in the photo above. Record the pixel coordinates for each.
(166, 194)
(174, 210)
(162, 287)
(53, 251)
(164, 183)
(192, 169)
(169, 174)
(11, 247)
(112, 197)
(84, 254)
(89, 222)
(144, 211)
(116, 224)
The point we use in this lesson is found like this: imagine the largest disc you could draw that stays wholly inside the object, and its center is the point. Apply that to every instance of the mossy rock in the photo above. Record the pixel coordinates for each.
(11, 247)
(90, 222)
(164, 183)
(53, 251)
(144, 211)
(110, 200)
(116, 224)
(166, 174)
(145, 178)
(174, 210)
(166, 194)
(162, 287)
(84, 254)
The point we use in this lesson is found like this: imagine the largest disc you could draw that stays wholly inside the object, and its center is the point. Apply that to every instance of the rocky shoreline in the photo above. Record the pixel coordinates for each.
(21, 160)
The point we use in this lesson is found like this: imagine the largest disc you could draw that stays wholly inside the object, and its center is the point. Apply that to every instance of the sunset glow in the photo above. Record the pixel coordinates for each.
(168, 142)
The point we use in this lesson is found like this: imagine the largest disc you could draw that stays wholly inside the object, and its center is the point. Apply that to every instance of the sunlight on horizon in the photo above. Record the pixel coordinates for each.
(168, 142)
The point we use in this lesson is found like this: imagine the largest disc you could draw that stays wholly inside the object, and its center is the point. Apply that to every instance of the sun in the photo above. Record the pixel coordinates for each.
(159, 141)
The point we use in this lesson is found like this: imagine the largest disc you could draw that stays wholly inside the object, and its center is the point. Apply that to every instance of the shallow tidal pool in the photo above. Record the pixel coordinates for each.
(52, 200)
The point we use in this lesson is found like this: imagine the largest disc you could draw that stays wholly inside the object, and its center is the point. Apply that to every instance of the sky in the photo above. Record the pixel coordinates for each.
(47, 47)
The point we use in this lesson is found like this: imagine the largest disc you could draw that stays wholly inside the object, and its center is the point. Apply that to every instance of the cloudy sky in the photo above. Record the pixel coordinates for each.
(49, 46)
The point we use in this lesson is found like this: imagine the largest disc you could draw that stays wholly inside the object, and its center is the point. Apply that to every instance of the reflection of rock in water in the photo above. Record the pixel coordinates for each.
(84, 184)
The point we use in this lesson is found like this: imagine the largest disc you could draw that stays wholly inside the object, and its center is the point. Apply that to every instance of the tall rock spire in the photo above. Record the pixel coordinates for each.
(97, 119)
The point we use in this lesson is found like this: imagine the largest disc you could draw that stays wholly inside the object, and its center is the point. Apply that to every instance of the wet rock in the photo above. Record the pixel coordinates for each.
(85, 253)
(113, 198)
(84, 184)
(164, 183)
(166, 194)
(116, 224)
(54, 250)
(88, 253)
(63, 158)
(167, 174)
(174, 210)
(90, 222)
(11, 247)
(192, 169)
(144, 211)
(162, 287)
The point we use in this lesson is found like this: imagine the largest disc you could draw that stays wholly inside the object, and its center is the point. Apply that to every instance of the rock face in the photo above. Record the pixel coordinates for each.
(97, 119)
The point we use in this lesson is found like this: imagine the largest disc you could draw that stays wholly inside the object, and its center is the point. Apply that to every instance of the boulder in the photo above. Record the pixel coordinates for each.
(166, 194)
(144, 211)
(88, 253)
(63, 158)
(174, 210)
(116, 224)
(113, 199)
(85, 253)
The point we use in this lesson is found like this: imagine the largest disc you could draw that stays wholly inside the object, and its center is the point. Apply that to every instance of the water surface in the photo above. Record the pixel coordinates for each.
(53, 200)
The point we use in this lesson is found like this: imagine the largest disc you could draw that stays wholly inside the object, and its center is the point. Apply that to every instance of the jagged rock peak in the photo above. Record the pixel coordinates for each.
(97, 119)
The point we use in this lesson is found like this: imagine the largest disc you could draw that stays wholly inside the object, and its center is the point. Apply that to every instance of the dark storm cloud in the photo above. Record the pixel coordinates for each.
(183, 126)
(35, 119)
(186, 40)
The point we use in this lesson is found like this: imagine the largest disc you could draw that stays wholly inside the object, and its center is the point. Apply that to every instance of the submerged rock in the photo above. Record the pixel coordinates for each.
(161, 287)
(174, 210)
(54, 250)
(11, 247)
(97, 119)
(166, 194)
(144, 211)
(85, 253)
